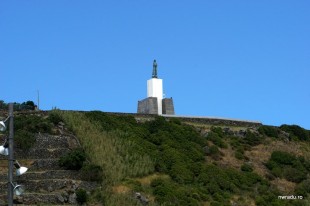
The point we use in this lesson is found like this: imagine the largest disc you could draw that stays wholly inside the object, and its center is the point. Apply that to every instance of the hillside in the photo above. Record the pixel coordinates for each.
(39, 145)
(169, 161)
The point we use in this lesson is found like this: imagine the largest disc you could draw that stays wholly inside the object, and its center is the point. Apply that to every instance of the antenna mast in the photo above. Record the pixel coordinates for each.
(38, 99)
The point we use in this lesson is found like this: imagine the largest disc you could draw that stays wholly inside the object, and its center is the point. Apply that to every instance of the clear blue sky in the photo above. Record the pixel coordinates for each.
(236, 59)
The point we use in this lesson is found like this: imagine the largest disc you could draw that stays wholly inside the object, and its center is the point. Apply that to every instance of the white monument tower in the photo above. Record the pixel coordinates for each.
(155, 88)
(155, 103)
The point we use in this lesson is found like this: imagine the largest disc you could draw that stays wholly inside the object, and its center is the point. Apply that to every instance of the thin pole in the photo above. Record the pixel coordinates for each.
(11, 156)
(38, 100)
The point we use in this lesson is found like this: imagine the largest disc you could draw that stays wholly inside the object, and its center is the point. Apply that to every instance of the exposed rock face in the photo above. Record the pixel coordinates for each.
(143, 200)
(45, 181)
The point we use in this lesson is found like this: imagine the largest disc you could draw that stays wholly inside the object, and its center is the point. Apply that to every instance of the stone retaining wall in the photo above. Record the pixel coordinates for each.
(45, 181)
(52, 185)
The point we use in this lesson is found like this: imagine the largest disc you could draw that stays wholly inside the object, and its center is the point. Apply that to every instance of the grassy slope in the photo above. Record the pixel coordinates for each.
(166, 162)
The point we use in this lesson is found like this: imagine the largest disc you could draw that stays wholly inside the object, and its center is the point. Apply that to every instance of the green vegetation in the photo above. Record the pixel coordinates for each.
(216, 135)
(126, 152)
(285, 165)
(181, 166)
(214, 152)
(303, 188)
(26, 127)
(246, 168)
(55, 117)
(28, 105)
(91, 172)
(81, 196)
(111, 149)
(169, 193)
(252, 138)
(74, 160)
(269, 131)
(296, 132)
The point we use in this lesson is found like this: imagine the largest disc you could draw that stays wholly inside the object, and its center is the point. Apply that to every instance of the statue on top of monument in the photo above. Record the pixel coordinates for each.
(154, 74)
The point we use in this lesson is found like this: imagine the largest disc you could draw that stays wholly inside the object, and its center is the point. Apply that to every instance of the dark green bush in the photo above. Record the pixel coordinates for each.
(224, 182)
(55, 117)
(92, 172)
(24, 139)
(246, 168)
(294, 175)
(3, 105)
(111, 122)
(175, 121)
(29, 105)
(214, 152)
(281, 157)
(169, 193)
(32, 123)
(252, 138)
(218, 130)
(26, 126)
(270, 131)
(181, 173)
(296, 131)
(73, 160)
(81, 196)
(237, 144)
(216, 203)
(239, 155)
(285, 165)
(216, 139)
(303, 188)
(163, 190)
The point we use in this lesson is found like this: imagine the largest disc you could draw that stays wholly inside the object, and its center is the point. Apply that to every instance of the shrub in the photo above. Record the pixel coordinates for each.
(55, 117)
(296, 131)
(303, 188)
(181, 173)
(294, 175)
(24, 139)
(236, 142)
(163, 190)
(111, 122)
(81, 196)
(281, 157)
(252, 138)
(91, 172)
(73, 160)
(29, 105)
(167, 192)
(218, 130)
(176, 121)
(214, 152)
(216, 139)
(32, 123)
(239, 155)
(268, 130)
(283, 164)
(26, 126)
(246, 168)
